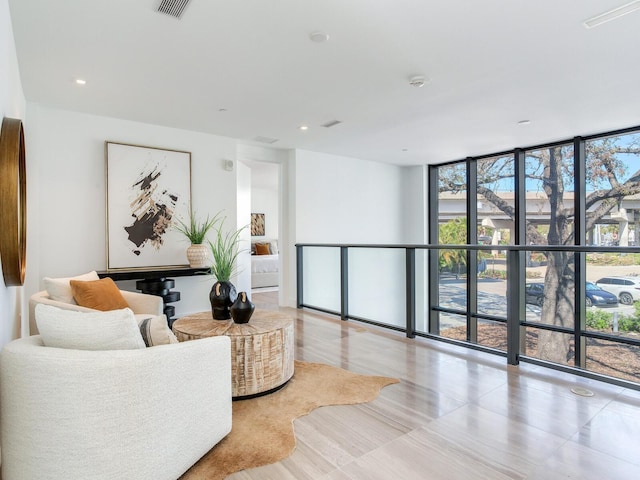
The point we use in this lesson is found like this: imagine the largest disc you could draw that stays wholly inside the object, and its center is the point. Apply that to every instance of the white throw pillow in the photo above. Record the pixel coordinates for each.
(60, 289)
(112, 330)
(155, 330)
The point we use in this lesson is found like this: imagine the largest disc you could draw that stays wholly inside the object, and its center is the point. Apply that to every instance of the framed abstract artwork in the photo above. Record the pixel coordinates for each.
(147, 190)
(257, 224)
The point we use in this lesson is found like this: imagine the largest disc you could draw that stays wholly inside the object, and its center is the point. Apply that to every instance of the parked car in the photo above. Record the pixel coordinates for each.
(626, 288)
(594, 295)
(599, 297)
(534, 293)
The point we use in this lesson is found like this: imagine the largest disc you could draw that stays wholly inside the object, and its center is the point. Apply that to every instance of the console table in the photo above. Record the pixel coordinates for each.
(157, 282)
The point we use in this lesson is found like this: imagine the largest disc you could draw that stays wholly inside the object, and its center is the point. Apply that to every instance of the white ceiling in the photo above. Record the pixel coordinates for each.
(491, 63)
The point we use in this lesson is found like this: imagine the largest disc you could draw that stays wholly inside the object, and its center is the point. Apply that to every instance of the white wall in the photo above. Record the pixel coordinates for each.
(266, 201)
(70, 208)
(285, 160)
(327, 198)
(416, 229)
(414, 204)
(347, 200)
(265, 164)
(244, 218)
(12, 105)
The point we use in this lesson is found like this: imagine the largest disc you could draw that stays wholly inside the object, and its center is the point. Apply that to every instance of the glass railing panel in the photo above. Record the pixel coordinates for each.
(321, 277)
(377, 285)
(422, 290)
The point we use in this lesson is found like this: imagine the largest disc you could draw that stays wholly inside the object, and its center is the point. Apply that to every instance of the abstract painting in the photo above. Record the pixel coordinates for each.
(147, 190)
(257, 224)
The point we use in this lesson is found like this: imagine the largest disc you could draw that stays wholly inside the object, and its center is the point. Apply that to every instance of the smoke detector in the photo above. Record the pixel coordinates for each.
(418, 81)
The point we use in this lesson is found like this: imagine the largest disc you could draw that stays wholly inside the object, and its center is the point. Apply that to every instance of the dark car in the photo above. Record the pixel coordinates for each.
(595, 296)
(534, 293)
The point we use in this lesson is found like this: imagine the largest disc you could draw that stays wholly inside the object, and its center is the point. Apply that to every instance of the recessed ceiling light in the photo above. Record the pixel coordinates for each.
(318, 37)
(405, 149)
(81, 81)
(222, 109)
(524, 122)
(612, 14)
(304, 127)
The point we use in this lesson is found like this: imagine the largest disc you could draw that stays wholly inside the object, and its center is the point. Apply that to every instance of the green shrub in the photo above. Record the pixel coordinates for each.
(599, 320)
(628, 324)
(490, 273)
(613, 258)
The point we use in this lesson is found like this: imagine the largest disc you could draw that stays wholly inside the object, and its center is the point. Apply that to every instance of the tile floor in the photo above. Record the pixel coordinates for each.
(456, 414)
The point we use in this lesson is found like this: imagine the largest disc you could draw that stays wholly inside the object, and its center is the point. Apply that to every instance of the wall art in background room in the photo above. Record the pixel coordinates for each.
(147, 190)
(257, 224)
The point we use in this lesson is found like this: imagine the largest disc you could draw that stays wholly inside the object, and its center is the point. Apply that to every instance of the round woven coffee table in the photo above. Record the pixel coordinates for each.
(261, 350)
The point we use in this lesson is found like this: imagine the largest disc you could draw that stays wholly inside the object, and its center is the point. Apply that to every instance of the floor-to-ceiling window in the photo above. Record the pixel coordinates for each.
(581, 308)
(533, 254)
(450, 319)
(549, 220)
(495, 185)
(612, 203)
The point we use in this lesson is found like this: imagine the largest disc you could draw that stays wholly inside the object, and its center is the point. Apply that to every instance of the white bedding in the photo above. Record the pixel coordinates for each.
(264, 263)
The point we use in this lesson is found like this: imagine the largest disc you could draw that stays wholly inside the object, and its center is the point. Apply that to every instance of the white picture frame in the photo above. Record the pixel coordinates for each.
(147, 189)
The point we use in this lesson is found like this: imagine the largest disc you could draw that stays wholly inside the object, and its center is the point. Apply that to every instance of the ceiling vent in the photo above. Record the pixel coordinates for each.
(173, 8)
(330, 124)
(265, 139)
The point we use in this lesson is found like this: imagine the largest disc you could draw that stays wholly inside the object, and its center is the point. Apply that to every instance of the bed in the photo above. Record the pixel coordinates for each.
(265, 268)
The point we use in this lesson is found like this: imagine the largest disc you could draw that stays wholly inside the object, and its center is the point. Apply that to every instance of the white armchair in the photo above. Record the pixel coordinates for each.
(140, 303)
(144, 414)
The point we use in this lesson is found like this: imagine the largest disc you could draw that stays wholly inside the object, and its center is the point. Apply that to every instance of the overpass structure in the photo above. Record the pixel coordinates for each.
(621, 226)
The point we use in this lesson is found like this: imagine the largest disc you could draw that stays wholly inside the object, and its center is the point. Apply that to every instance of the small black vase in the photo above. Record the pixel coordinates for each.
(222, 296)
(242, 309)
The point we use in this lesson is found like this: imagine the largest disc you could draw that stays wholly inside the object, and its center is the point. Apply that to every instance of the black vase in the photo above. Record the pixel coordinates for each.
(242, 309)
(222, 296)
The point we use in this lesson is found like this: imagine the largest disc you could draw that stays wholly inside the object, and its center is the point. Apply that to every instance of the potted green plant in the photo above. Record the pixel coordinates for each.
(224, 250)
(196, 232)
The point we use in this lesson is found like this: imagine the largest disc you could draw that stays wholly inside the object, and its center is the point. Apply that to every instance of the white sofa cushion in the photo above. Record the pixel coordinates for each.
(155, 330)
(113, 330)
(60, 289)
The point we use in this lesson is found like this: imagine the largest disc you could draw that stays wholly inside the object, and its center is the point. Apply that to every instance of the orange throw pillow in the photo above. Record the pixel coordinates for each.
(101, 294)
(262, 249)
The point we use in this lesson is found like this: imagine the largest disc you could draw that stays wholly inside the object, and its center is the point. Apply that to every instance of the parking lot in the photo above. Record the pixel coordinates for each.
(492, 292)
